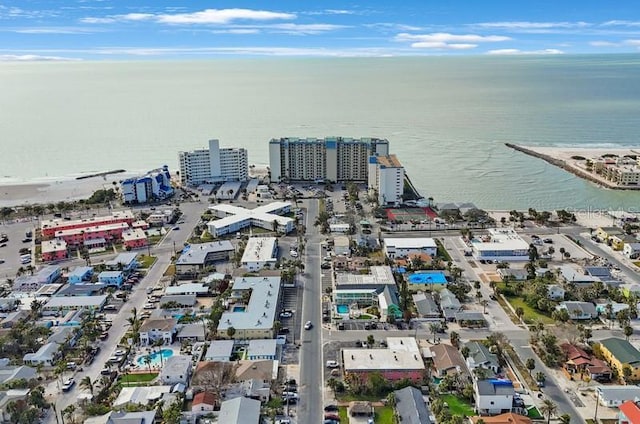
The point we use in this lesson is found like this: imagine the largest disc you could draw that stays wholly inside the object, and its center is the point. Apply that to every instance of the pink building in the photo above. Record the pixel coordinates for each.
(106, 233)
(54, 250)
(400, 360)
(134, 238)
(50, 227)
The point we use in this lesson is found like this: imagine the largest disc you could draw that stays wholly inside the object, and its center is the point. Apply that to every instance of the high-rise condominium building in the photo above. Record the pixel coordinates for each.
(331, 158)
(213, 165)
(386, 176)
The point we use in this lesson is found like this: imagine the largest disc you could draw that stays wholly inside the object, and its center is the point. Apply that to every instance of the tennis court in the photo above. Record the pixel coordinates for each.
(410, 214)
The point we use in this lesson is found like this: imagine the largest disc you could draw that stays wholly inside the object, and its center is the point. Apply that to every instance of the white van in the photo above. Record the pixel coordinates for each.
(25, 259)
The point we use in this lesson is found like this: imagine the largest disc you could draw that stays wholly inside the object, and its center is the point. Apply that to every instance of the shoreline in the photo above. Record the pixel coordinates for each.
(563, 158)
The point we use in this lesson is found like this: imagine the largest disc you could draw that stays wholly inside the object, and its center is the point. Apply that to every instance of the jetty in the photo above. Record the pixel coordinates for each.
(101, 174)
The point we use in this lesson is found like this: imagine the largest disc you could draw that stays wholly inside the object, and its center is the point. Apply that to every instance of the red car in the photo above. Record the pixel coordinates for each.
(333, 417)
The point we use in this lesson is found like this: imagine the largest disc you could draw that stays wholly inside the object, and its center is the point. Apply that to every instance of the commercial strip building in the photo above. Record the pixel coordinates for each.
(403, 247)
(252, 318)
(259, 253)
(213, 165)
(154, 185)
(49, 227)
(386, 177)
(400, 360)
(501, 244)
(330, 158)
(235, 218)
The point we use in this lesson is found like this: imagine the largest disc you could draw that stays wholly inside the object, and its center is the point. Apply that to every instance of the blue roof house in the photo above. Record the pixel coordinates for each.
(80, 275)
(111, 278)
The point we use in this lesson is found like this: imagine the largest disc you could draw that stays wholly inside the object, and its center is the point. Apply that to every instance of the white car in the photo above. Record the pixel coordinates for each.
(308, 325)
(286, 314)
(149, 306)
(332, 364)
(68, 384)
(293, 253)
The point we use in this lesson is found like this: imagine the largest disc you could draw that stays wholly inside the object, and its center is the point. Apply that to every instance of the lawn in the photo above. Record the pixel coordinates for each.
(534, 414)
(344, 415)
(146, 261)
(457, 406)
(128, 379)
(384, 415)
(171, 271)
(530, 315)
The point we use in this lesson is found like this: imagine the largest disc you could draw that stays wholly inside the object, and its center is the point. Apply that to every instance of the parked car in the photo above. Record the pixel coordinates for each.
(341, 326)
(68, 384)
(331, 408)
(548, 240)
(285, 314)
(110, 308)
(332, 364)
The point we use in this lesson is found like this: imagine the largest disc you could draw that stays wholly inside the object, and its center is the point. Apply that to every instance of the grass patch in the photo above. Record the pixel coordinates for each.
(383, 415)
(348, 397)
(170, 271)
(523, 371)
(147, 261)
(344, 415)
(154, 239)
(442, 252)
(530, 315)
(137, 379)
(637, 263)
(534, 414)
(457, 406)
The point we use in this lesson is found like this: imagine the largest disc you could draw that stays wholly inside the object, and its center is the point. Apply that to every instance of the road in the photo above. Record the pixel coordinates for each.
(311, 365)
(137, 299)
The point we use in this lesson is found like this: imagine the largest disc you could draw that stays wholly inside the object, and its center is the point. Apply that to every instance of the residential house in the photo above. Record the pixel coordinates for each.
(403, 247)
(80, 274)
(179, 300)
(618, 241)
(493, 396)
(426, 306)
(601, 307)
(144, 417)
(219, 351)
(507, 418)
(46, 275)
(577, 277)
(14, 318)
(581, 364)
(470, 319)
(555, 292)
(196, 257)
(177, 369)
(47, 355)
(262, 349)
(125, 262)
(81, 290)
(480, 357)
(142, 395)
(410, 406)
(54, 250)
(18, 396)
(111, 278)
(240, 411)
(605, 234)
(197, 289)
(191, 332)
(629, 413)
(256, 370)
(514, 274)
(616, 395)
(620, 353)
(389, 304)
(447, 360)
(449, 304)
(631, 250)
(9, 373)
(63, 304)
(579, 310)
(203, 403)
(158, 329)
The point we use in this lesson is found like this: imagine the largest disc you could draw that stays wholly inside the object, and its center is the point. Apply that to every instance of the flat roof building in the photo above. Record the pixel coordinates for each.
(253, 319)
(403, 247)
(501, 244)
(240, 410)
(330, 158)
(50, 226)
(75, 302)
(196, 257)
(401, 359)
(213, 164)
(234, 218)
(260, 252)
(386, 177)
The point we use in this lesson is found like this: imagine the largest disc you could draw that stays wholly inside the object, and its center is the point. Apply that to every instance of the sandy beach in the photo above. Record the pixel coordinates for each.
(566, 153)
(55, 191)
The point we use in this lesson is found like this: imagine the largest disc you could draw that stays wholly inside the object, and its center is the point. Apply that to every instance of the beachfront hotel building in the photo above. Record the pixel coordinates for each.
(234, 218)
(213, 165)
(330, 158)
(622, 171)
(501, 244)
(50, 227)
(386, 177)
(154, 185)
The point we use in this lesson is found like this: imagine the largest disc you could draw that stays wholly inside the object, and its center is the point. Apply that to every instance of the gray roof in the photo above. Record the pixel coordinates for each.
(123, 258)
(425, 305)
(145, 417)
(480, 354)
(11, 372)
(448, 300)
(80, 289)
(584, 307)
(76, 301)
(262, 347)
(196, 254)
(618, 393)
(176, 364)
(495, 387)
(598, 271)
(62, 335)
(571, 274)
(240, 411)
(219, 349)
(192, 330)
(469, 316)
(181, 299)
(411, 407)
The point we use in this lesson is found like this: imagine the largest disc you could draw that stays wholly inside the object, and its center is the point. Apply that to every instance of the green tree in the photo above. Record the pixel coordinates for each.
(231, 332)
(548, 408)
(465, 351)
(520, 312)
(172, 414)
(530, 364)
(370, 340)
(86, 383)
(454, 338)
(541, 377)
(564, 419)
(628, 331)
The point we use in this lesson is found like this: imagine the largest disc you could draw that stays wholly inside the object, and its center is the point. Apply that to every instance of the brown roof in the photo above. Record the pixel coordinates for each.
(163, 324)
(573, 352)
(447, 357)
(360, 407)
(204, 397)
(258, 370)
(508, 418)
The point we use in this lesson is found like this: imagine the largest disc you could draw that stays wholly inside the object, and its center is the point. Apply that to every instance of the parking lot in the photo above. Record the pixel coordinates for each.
(9, 253)
(361, 324)
(291, 301)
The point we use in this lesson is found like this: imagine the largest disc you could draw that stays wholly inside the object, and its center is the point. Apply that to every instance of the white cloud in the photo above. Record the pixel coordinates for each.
(438, 45)
(512, 52)
(391, 26)
(34, 58)
(598, 43)
(52, 30)
(339, 12)
(443, 37)
(290, 28)
(634, 43)
(211, 16)
(525, 25)
(621, 23)
(237, 31)
(91, 20)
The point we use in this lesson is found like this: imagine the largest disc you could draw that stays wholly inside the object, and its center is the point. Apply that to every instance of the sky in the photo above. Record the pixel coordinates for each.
(160, 29)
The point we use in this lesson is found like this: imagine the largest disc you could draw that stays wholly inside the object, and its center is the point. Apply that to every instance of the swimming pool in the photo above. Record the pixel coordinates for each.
(155, 358)
(239, 309)
(428, 278)
(342, 309)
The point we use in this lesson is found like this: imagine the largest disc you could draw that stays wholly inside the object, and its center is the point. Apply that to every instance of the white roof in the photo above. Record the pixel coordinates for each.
(261, 308)
(140, 395)
(58, 222)
(260, 249)
(197, 253)
(618, 392)
(502, 239)
(187, 288)
(410, 243)
(54, 245)
(77, 301)
(239, 411)
(133, 234)
(219, 349)
(379, 276)
(264, 213)
(262, 347)
(341, 241)
(381, 359)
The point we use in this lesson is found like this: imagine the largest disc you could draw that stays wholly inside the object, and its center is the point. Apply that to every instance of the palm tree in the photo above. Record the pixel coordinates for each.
(520, 312)
(147, 362)
(231, 332)
(484, 303)
(548, 408)
(454, 338)
(86, 383)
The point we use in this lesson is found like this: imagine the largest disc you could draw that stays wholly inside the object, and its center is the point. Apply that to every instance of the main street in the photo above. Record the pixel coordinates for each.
(164, 252)
(310, 404)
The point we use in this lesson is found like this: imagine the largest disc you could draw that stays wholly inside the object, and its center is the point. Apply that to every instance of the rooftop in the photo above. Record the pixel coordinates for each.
(260, 249)
(410, 243)
(402, 353)
(176, 364)
(630, 410)
(239, 411)
(411, 407)
(133, 234)
(508, 418)
(622, 350)
(196, 254)
(264, 213)
(219, 349)
(187, 288)
(618, 392)
(502, 239)
(262, 347)
(495, 387)
(378, 276)
(140, 395)
(59, 222)
(447, 357)
(123, 258)
(261, 308)
(76, 301)
(166, 324)
(54, 245)
(388, 161)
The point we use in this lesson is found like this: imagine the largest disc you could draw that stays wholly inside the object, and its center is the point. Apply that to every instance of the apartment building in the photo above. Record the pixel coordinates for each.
(330, 158)
(213, 164)
(154, 185)
(621, 171)
(50, 227)
(386, 177)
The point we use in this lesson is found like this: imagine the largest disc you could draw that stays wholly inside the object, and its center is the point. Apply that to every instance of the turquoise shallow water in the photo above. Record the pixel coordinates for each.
(447, 118)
